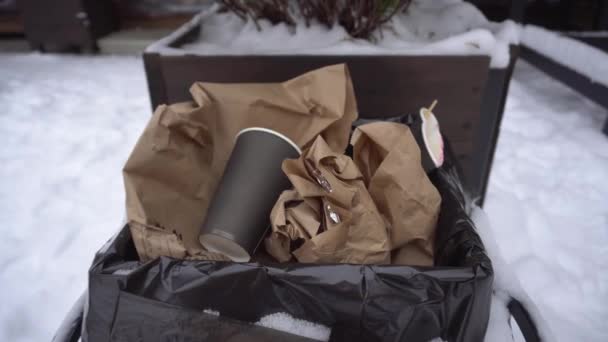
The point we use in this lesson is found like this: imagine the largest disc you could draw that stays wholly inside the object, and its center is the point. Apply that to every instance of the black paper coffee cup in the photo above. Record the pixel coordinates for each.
(239, 213)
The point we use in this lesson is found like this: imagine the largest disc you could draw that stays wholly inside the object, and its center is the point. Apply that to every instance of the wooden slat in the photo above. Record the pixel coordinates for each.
(156, 80)
(580, 83)
(165, 22)
(492, 109)
(597, 42)
(464, 154)
(384, 85)
(11, 23)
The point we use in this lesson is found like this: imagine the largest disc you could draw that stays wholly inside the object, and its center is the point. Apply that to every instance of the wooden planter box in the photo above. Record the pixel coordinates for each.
(471, 95)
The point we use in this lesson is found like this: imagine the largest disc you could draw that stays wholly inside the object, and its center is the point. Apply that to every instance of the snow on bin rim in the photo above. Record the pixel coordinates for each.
(445, 27)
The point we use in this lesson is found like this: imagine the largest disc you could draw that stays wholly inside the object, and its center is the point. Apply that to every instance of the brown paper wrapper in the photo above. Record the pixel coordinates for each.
(389, 159)
(151, 242)
(180, 157)
(301, 215)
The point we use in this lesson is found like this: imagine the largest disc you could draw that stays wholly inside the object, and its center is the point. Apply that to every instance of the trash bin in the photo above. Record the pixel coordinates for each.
(170, 299)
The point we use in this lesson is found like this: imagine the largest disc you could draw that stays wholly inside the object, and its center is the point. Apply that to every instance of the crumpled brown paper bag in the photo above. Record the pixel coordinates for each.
(155, 239)
(359, 237)
(389, 159)
(178, 161)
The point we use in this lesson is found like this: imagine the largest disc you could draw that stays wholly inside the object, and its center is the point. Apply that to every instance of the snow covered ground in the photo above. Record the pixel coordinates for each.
(548, 202)
(69, 123)
(67, 126)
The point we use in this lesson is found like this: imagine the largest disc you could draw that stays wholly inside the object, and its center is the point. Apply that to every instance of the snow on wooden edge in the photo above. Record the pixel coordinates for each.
(163, 45)
(574, 54)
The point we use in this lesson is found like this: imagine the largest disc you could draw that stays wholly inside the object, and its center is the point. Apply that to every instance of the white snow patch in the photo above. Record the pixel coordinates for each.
(67, 126)
(506, 286)
(445, 27)
(287, 323)
(581, 57)
(211, 312)
(547, 203)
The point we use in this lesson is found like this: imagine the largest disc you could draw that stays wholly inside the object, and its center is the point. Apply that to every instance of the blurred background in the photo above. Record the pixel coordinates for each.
(102, 25)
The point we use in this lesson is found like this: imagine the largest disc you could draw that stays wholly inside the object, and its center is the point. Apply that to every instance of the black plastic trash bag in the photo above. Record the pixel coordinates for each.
(164, 299)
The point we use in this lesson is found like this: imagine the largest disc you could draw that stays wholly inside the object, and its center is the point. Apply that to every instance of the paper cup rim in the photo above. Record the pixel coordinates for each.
(434, 158)
(217, 243)
(273, 132)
